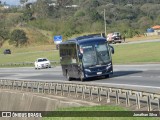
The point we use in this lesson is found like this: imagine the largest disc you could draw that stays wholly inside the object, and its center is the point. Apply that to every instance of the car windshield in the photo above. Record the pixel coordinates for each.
(95, 54)
(42, 60)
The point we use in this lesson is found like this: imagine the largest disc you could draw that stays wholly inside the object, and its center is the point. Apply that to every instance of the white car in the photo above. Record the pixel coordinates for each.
(42, 63)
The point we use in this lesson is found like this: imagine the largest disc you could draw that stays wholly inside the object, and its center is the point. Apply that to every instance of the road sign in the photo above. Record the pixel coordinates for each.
(57, 39)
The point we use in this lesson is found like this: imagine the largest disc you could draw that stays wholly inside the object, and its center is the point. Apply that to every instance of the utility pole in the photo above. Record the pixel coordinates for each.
(105, 22)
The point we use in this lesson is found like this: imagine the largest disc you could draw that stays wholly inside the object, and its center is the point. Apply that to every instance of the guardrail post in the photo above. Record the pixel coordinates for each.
(43, 88)
(38, 87)
(49, 88)
(9, 86)
(1, 83)
(158, 104)
(117, 97)
(68, 89)
(17, 85)
(12, 84)
(62, 90)
(107, 96)
(22, 83)
(55, 88)
(31, 87)
(138, 101)
(149, 102)
(90, 93)
(82, 92)
(34, 85)
(99, 94)
(6, 84)
(26, 86)
(127, 99)
(77, 91)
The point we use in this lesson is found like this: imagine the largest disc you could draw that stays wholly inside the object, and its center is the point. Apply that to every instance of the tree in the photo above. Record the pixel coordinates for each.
(41, 9)
(18, 38)
(23, 1)
(4, 35)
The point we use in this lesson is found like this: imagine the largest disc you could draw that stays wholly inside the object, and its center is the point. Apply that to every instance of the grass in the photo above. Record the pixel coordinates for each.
(142, 37)
(29, 56)
(124, 54)
(137, 53)
(97, 110)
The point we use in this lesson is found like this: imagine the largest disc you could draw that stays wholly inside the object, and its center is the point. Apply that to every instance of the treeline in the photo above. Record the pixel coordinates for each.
(131, 17)
(71, 17)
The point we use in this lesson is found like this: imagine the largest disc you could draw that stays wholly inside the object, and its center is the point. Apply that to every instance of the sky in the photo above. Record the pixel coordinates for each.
(14, 2)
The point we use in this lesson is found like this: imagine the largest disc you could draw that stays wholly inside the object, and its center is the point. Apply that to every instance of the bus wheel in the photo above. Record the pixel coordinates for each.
(107, 76)
(67, 77)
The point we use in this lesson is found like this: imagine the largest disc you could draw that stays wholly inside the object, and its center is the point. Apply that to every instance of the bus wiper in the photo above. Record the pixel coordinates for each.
(92, 65)
(100, 57)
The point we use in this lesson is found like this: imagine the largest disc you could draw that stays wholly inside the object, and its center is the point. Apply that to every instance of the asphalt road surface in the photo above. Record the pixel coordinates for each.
(145, 76)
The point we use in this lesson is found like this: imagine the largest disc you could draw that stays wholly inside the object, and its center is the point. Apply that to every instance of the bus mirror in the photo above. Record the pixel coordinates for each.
(112, 49)
(80, 55)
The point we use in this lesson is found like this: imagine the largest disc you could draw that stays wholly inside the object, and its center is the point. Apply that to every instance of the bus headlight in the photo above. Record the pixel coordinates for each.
(108, 66)
(87, 70)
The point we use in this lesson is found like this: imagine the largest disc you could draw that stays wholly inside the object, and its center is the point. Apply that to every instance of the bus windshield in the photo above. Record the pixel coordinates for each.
(95, 54)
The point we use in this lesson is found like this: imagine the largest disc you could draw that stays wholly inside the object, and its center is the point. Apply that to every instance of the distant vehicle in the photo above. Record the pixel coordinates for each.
(114, 37)
(42, 63)
(85, 57)
(7, 51)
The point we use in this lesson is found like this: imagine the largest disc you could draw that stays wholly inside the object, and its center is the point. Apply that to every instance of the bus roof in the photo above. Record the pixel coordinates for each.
(85, 39)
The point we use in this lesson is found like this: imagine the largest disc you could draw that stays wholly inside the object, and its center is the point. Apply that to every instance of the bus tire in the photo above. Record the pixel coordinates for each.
(107, 76)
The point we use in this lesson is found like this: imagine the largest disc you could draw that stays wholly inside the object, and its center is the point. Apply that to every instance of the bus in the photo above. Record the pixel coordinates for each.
(85, 57)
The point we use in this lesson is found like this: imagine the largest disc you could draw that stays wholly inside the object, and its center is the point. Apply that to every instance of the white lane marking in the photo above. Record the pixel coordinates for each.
(128, 85)
(135, 76)
(131, 69)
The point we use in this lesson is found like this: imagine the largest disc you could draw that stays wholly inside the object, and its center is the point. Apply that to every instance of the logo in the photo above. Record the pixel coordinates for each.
(6, 114)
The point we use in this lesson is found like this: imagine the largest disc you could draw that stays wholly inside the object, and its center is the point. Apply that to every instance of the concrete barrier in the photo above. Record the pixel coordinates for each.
(25, 101)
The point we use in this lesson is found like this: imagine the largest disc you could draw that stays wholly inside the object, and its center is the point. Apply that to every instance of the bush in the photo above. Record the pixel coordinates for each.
(18, 38)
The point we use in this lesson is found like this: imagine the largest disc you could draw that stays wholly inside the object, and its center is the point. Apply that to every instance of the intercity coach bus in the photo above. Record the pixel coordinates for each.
(85, 57)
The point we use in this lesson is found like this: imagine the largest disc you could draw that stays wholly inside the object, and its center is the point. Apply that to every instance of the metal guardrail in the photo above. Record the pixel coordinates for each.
(87, 92)
(22, 64)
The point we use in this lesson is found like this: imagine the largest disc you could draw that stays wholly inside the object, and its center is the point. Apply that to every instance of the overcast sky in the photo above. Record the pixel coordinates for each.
(13, 2)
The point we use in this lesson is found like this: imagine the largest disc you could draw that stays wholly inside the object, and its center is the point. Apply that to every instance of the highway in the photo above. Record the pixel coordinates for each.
(143, 76)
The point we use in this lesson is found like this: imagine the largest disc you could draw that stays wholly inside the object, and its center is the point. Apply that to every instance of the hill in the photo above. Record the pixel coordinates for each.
(44, 19)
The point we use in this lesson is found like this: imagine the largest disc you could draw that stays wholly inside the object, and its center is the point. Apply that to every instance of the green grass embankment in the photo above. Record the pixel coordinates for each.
(98, 110)
(137, 53)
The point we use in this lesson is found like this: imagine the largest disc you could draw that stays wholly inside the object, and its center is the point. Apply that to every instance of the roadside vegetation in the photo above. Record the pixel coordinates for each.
(43, 19)
(99, 109)
(137, 53)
